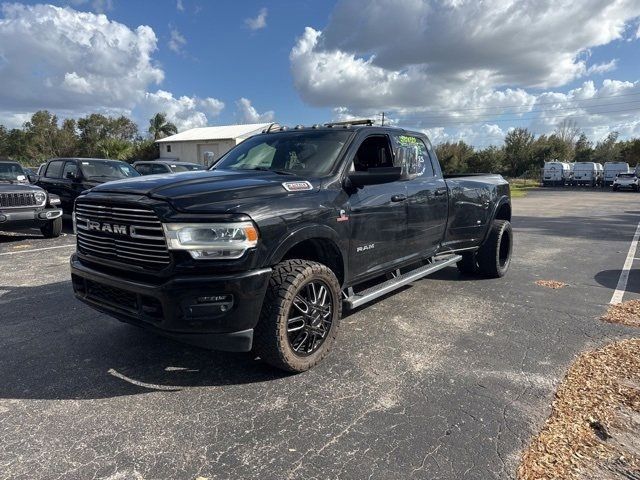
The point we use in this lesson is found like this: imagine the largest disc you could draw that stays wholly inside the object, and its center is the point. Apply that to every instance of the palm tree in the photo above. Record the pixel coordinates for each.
(159, 127)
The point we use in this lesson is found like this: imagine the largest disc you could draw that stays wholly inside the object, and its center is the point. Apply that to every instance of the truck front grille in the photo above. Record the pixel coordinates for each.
(23, 199)
(131, 235)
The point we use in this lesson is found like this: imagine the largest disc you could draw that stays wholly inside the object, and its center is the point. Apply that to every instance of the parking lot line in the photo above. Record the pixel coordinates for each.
(624, 274)
(37, 249)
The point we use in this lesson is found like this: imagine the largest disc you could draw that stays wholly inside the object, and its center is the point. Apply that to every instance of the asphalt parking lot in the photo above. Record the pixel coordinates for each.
(448, 378)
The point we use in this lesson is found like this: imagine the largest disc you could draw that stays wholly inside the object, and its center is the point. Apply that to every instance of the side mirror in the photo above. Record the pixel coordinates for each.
(33, 178)
(71, 176)
(375, 176)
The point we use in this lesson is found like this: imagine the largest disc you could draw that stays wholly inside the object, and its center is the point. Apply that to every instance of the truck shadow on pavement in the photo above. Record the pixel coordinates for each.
(609, 279)
(54, 347)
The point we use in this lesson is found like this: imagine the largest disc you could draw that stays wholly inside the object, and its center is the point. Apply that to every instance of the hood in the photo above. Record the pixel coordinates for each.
(18, 187)
(208, 190)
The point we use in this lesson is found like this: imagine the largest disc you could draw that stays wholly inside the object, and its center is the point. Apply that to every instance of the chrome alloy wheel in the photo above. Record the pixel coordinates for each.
(310, 318)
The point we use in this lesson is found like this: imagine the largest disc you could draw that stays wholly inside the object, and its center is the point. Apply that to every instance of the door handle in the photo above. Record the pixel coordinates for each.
(399, 198)
(440, 191)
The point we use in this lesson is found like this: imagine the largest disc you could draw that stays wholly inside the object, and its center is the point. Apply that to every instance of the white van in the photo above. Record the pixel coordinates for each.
(555, 173)
(585, 173)
(611, 171)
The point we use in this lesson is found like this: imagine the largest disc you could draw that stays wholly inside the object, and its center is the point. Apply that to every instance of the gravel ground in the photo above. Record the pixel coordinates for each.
(448, 378)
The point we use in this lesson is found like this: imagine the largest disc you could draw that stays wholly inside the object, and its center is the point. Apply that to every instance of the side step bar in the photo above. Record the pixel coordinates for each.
(357, 299)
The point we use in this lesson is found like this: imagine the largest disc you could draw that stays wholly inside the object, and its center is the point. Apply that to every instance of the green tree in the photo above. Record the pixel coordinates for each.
(518, 151)
(145, 150)
(488, 160)
(454, 157)
(67, 139)
(114, 148)
(41, 133)
(608, 149)
(159, 127)
(630, 151)
(583, 150)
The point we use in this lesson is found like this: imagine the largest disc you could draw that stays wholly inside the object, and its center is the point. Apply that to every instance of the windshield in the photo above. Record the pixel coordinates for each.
(185, 168)
(311, 153)
(108, 169)
(9, 172)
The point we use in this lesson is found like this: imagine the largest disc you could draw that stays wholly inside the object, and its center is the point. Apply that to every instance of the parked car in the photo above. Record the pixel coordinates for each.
(585, 173)
(26, 206)
(555, 174)
(611, 170)
(69, 177)
(165, 166)
(265, 249)
(625, 181)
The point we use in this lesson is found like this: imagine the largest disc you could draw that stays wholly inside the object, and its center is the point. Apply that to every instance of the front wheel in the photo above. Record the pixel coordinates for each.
(494, 256)
(300, 316)
(52, 228)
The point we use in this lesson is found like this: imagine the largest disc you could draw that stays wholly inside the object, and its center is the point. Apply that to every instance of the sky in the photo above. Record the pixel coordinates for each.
(457, 69)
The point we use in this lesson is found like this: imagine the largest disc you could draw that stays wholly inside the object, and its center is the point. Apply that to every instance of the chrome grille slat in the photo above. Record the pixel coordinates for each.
(18, 199)
(147, 248)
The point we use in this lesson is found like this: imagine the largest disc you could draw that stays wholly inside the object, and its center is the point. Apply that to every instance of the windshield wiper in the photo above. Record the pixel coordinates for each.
(7, 180)
(265, 169)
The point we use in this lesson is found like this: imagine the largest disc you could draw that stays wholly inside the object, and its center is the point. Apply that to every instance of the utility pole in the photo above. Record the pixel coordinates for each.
(382, 123)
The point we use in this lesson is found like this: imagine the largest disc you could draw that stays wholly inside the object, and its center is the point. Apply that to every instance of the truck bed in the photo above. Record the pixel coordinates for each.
(473, 199)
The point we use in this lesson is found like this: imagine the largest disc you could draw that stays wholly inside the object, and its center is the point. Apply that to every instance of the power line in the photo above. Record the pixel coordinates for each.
(535, 104)
(490, 115)
(520, 119)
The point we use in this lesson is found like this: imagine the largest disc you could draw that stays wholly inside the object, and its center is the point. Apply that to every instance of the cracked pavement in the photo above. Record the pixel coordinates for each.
(446, 379)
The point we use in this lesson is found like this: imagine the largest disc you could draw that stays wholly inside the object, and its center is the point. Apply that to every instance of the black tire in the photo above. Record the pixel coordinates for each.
(52, 228)
(271, 338)
(615, 188)
(494, 256)
(469, 264)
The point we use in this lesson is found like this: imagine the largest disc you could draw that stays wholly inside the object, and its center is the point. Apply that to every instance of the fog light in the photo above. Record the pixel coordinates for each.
(210, 306)
(3, 218)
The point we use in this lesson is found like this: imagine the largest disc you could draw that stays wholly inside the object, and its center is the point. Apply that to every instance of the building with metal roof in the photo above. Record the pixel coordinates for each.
(207, 144)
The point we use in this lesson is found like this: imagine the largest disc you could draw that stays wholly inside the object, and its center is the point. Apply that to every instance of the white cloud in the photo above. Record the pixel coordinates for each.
(444, 60)
(75, 63)
(177, 42)
(259, 22)
(58, 58)
(186, 112)
(248, 113)
(180, 6)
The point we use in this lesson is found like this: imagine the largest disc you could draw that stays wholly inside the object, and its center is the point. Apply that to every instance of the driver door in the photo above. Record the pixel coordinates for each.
(377, 214)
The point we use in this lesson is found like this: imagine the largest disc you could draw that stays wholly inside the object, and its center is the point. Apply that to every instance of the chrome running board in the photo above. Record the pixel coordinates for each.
(354, 300)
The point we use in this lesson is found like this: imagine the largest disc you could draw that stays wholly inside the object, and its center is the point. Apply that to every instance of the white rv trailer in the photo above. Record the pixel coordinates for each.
(611, 171)
(585, 173)
(555, 174)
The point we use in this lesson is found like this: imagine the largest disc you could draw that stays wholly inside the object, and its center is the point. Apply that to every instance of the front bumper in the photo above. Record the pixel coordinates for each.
(28, 217)
(213, 311)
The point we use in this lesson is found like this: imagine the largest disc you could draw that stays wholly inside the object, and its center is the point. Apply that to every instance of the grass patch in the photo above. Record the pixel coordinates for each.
(594, 427)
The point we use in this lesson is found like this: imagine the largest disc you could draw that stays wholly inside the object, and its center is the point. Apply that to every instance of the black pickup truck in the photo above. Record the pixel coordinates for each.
(263, 250)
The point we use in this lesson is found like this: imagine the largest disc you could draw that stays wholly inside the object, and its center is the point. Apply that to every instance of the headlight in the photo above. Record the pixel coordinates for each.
(211, 240)
(40, 197)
